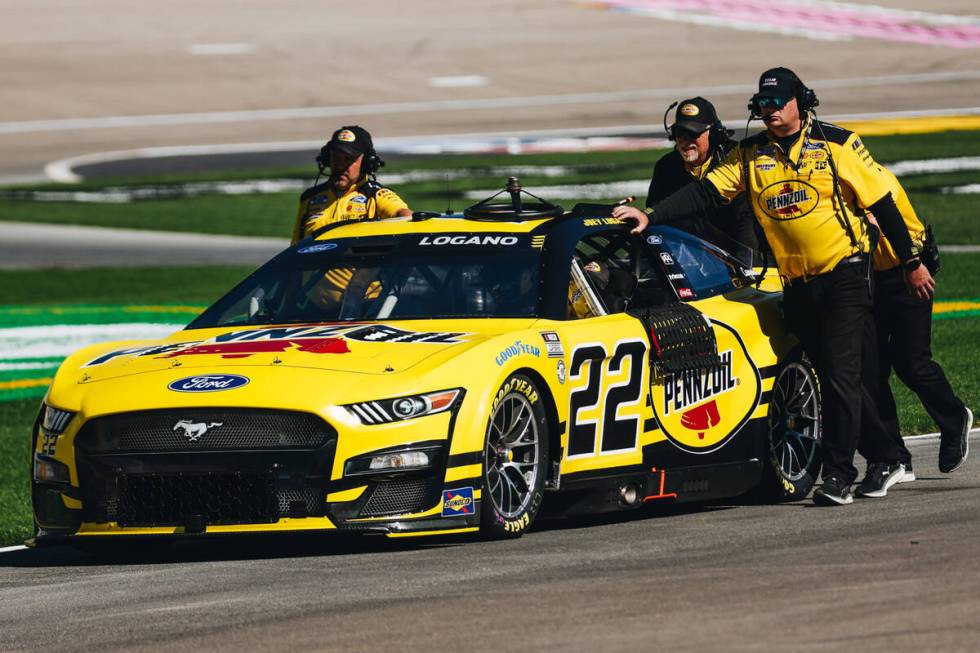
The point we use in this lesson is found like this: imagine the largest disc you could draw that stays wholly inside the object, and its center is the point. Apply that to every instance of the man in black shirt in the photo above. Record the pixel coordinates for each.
(702, 142)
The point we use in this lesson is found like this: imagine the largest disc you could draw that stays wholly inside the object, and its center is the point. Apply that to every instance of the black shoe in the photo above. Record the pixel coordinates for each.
(909, 475)
(833, 492)
(879, 478)
(954, 449)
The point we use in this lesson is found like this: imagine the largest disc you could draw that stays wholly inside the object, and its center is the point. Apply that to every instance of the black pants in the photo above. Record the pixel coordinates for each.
(904, 329)
(831, 315)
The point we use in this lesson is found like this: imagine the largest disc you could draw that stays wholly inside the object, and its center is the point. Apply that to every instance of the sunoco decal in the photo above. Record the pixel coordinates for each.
(788, 200)
(320, 339)
(458, 502)
(208, 383)
(701, 411)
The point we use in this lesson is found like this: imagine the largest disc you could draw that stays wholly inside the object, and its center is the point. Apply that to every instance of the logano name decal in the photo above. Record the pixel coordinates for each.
(320, 339)
(484, 240)
(689, 388)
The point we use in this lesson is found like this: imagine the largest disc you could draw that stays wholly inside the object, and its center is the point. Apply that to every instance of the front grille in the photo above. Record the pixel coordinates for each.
(155, 500)
(203, 429)
(399, 497)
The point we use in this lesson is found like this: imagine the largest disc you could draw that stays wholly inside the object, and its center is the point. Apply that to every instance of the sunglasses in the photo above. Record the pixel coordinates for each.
(775, 102)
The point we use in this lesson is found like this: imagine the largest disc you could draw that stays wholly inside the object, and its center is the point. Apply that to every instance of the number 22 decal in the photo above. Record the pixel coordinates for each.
(618, 433)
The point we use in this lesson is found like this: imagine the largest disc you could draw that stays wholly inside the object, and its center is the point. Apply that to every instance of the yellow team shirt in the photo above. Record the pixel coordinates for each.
(885, 257)
(320, 206)
(792, 195)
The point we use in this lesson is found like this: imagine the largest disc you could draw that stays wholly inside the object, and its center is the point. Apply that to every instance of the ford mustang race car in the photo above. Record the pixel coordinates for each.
(433, 375)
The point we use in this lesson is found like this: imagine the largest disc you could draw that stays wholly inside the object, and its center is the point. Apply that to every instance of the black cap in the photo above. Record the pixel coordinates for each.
(695, 115)
(779, 82)
(351, 139)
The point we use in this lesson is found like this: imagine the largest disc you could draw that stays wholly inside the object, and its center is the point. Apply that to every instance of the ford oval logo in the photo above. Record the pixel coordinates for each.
(208, 383)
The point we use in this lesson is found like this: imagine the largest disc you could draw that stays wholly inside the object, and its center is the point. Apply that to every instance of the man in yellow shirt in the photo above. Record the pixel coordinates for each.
(351, 192)
(809, 183)
(904, 328)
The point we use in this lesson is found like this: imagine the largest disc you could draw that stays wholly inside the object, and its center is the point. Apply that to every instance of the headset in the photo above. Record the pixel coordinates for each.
(369, 165)
(718, 134)
(806, 99)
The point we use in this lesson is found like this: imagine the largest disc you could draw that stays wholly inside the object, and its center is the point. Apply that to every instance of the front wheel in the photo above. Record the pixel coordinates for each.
(794, 432)
(515, 459)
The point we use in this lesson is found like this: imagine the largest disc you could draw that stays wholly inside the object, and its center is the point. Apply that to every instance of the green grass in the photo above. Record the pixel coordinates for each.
(16, 419)
(273, 214)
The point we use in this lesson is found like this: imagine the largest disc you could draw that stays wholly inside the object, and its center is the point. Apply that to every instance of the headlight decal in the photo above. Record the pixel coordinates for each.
(55, 420)
(397, 409)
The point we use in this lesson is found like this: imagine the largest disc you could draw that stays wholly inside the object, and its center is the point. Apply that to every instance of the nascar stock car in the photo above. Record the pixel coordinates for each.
(438, 374)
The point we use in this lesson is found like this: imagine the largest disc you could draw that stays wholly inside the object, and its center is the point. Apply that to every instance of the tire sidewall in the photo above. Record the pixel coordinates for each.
(777, 486)
(493, 524)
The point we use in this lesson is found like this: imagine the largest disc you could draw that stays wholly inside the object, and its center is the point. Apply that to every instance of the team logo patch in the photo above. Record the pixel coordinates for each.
(319, 247)
(788, 200)
(765, 166)
(347, 136)
(359, 199)
(208, 383)
(458, 502)
(700, 411)
(655, 240)
(666, 258)
(689, 110)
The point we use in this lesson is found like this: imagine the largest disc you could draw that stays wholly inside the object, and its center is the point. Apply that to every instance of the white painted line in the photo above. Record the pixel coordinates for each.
(220, 49)
(11, 549)
(362, 110)
(969, 189)
(458, 81)
(932, 436)
(921, 166)
(62, 340)
(8, 367)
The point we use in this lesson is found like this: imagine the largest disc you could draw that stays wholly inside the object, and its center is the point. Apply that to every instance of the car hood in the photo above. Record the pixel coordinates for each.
(361, 348)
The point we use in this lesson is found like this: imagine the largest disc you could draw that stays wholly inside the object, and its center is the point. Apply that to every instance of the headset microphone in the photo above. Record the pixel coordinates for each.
(668, 130)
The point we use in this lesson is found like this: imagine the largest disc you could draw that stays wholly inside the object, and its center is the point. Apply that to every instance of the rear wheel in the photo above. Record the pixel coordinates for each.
(795, 430)
(515, 459)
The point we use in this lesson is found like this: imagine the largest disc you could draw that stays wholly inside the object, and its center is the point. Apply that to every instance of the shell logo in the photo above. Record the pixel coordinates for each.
(700, 412)
(690, 110)
(788, 200)
(347, 136)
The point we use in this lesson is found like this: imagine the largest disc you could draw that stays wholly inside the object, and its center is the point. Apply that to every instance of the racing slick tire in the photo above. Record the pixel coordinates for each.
(794, 432)
(515, 459)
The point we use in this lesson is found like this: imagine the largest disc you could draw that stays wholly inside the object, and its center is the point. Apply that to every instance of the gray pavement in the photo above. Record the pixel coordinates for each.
(26, 245)
(898, 574)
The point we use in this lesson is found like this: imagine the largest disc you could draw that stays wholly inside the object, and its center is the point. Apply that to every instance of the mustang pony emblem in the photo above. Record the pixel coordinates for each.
(194, 430)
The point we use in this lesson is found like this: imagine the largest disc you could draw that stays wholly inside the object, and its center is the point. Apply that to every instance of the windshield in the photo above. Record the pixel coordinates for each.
(411, 276)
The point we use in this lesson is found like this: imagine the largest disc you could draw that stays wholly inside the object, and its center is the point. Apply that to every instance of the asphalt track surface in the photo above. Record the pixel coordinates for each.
(27, 245)
(898, 574)
(81, 78)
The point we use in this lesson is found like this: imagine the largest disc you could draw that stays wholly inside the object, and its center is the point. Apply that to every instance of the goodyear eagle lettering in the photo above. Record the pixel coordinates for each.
(689, 388)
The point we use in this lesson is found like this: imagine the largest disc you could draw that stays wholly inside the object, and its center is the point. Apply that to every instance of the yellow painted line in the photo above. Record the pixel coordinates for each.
(917, 125)
(449, 531)
(284, 524)
(24, 383)
(951, 307)
(163, 309)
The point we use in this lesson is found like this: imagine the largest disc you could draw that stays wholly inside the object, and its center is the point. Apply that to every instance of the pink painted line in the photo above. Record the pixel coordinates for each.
(832, 18)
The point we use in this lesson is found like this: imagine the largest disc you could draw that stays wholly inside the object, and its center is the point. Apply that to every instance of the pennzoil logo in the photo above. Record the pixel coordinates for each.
(457, 502)
(700, 411)
(788, 200)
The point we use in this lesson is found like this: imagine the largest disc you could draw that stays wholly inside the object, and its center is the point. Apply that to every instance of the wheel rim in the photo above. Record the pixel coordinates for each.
(512, 455)
(794, 421)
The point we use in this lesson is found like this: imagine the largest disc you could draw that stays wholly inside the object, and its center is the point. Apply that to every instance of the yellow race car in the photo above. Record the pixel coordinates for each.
(433, 375)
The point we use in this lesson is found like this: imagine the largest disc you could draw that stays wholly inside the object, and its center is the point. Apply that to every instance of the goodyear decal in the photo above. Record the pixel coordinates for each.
(701, 411)
(457, 502)
(788, 200)
(519, 347)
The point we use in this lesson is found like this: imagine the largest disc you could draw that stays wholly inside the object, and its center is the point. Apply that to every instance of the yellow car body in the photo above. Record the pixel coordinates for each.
(271, 427)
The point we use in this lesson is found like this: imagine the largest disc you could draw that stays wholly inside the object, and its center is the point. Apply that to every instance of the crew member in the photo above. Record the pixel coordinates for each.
(701, 142)
(351, 192)
(904, 330)
(808, 182)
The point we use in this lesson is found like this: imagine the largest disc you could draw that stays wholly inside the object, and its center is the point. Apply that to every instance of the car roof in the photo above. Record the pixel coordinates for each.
(453, 223)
